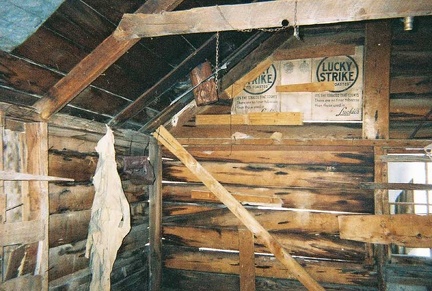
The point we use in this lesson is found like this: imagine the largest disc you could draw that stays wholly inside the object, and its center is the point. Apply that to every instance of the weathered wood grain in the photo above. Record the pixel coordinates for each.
(376, 96)
(272, 220)
(28, 282)
(104, 55)
(261, 15)
(246, 259)
(299, 244)
(228, 263)
(253, 118)
(164, 137)
(275, 175)
(289, 155)
(335, 199)
(403, 229)
(183, 280)
(68, 258)
(80, 197)
(21, 232)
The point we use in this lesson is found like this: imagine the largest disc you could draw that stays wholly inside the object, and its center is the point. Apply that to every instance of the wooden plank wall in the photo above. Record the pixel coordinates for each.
(72, 154)
(309, 187)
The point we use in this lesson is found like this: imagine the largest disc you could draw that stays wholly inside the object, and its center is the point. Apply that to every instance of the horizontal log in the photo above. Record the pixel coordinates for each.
(407, 109)
(273, 221)
(245, 199)
(254, 118)
(413, 276)
(314, 50)
(228, 263)
(207, 139)
(408, 230)
(72, 226)
(412, 85)
(21, 232)
(69, 258)
(80, 168)
(80, 126)
(306, 245)
(261, 15)
(403, 158)
(279, 175)
(27, 282)
(360, 201)
(183, 280)
(15, 176)
(288, 154)
(68, 227)
(395, 186)
(80, 197)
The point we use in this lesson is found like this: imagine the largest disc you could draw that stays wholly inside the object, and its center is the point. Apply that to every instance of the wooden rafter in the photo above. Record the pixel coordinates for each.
(265, 14)
(164, 137)
(86, 71)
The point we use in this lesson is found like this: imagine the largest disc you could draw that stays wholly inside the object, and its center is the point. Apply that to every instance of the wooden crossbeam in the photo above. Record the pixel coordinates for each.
(395, 186)
(307, 87)
(265, 14)
(22, 232)
(253, 118)
(86, 71)
(165, 138)
(408, 230)
(15, 176)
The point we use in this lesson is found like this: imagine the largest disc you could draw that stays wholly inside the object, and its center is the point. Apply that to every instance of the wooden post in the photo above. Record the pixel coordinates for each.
(376, 110)
(37, 156)
(155, 220)
(376, 103)
(2, 194)
(164, 137)
(247, 260)
(206, 92)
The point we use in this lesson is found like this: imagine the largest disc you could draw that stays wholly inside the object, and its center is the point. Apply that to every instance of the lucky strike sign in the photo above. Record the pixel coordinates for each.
(344, 103)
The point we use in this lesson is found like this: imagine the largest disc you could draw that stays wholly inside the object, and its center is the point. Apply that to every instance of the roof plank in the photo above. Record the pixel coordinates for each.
(93, 65)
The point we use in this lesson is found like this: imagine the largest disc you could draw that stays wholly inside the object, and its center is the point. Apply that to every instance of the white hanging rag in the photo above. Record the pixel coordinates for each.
(110, 215)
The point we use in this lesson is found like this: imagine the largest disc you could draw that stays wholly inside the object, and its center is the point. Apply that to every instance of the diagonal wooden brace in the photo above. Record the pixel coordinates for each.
(165, 138)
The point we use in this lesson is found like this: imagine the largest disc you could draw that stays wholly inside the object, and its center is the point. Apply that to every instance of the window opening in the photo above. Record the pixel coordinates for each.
(410, 201)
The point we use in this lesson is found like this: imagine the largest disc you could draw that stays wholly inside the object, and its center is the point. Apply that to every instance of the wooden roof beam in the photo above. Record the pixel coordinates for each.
(264, 15)
(94, 64)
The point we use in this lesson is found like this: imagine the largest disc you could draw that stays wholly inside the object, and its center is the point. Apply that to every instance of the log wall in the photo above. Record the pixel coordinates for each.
(72, 154)
(295, 192)
(69, 153)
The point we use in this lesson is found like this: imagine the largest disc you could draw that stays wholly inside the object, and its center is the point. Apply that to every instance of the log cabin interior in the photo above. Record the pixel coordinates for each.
(290, 142)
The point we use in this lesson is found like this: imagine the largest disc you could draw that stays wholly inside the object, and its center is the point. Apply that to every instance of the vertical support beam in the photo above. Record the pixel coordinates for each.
(155, 220)
(376, 110)
(381, 207)
(247, 260)
(2, 194)
(37, 163)
(376, 104)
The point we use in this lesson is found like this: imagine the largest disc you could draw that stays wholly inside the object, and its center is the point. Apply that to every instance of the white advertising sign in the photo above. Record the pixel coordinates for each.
(344, 103)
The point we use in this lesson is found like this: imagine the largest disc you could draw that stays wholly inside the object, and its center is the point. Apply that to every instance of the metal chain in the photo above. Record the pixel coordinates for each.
(296, 28)
(217, 62)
